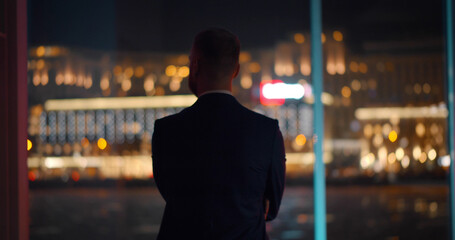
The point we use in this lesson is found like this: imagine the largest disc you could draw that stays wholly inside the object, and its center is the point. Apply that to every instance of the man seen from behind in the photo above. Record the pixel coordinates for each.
(219, 166)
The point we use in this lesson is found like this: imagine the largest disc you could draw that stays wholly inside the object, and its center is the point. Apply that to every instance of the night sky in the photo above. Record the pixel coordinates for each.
(170, 25)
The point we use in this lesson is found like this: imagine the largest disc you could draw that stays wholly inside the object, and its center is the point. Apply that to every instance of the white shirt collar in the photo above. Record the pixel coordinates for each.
(216, 91)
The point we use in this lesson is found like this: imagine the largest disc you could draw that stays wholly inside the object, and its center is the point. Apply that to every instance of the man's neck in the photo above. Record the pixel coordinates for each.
(216, 91)
(205, 84)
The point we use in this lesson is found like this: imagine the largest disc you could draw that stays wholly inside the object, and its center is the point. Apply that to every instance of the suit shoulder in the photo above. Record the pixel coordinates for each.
(171, 118)
(260, 117)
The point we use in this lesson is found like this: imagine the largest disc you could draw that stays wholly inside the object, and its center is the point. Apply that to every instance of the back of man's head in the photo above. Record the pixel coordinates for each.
(217, 52)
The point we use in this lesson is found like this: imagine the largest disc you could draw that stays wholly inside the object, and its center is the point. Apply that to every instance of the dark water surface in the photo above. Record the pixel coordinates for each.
(353, 212)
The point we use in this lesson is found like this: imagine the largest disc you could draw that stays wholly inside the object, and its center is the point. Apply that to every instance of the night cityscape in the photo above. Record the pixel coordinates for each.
(99, 73)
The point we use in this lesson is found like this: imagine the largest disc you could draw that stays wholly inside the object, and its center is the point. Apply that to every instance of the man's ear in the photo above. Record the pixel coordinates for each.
(194, 68)
(192, 79)
(236, 71)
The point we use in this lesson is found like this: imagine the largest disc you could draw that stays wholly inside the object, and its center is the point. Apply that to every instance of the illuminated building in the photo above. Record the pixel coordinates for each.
(365, 135)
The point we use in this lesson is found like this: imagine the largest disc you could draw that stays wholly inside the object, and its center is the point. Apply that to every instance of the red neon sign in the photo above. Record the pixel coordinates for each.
(269, 102)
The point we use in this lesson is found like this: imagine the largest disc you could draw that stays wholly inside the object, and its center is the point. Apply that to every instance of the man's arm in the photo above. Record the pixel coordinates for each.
(159, 169)
(276, 176)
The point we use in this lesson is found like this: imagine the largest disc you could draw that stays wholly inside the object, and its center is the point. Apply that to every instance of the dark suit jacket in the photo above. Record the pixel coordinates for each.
(214, 164)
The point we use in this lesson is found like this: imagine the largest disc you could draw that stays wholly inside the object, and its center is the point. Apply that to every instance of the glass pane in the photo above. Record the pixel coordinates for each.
(97, 71)
(386, 128)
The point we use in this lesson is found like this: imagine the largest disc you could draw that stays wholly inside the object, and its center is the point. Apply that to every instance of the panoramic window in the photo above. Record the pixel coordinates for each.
(101, 72)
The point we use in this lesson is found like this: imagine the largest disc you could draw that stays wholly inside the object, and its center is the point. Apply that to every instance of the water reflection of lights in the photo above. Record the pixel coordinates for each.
(391, 158)
(416, 152)
(423, 157)
(378, 166)
(139, 167)
(405, 162)
(432, 154)
(382, 153)
(399, 153)
(367, 161)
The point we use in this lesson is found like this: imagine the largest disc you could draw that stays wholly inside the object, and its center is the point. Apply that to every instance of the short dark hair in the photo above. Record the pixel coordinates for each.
(218, 51)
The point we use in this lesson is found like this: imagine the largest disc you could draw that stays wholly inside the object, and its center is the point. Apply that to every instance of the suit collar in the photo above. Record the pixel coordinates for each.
(216, 91)
(215, 98)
